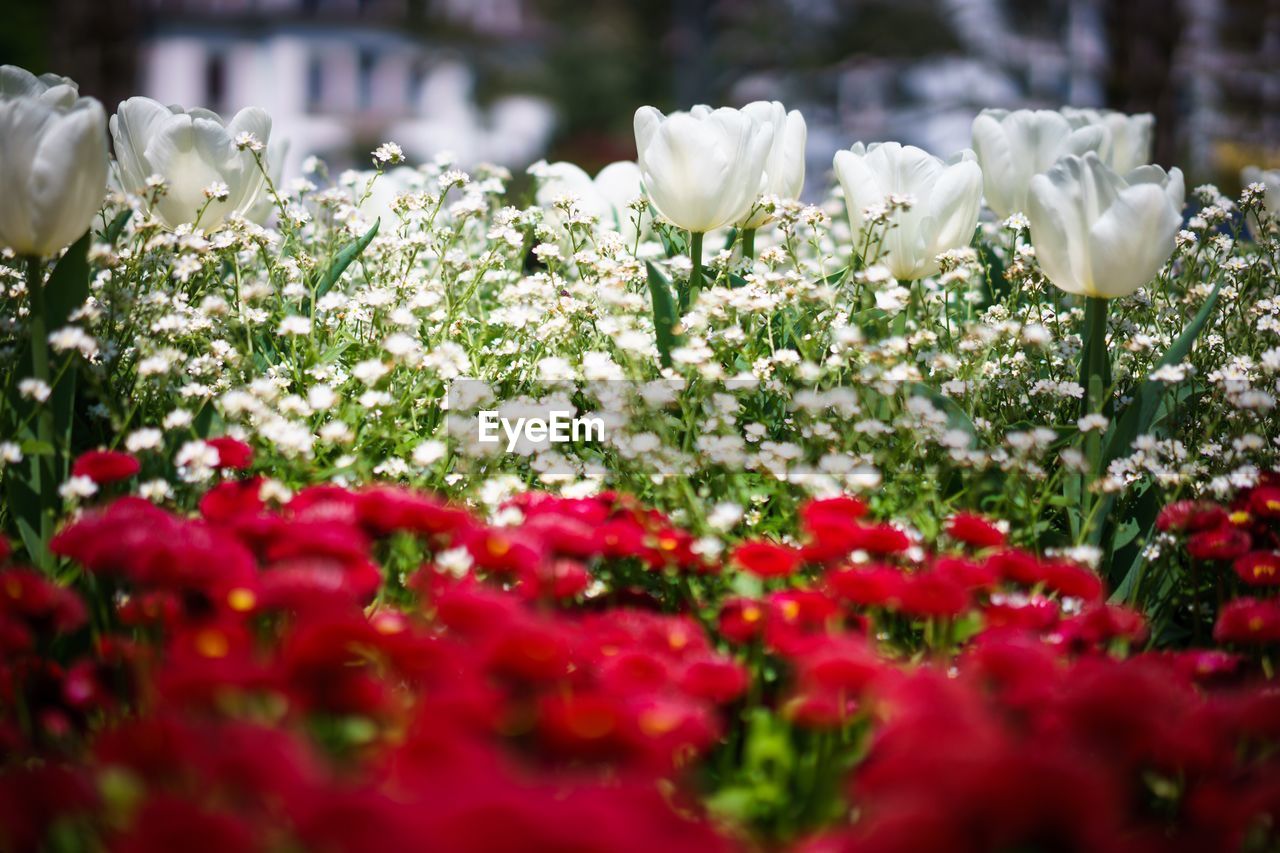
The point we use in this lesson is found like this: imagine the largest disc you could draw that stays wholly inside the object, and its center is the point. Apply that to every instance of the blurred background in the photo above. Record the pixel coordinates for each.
(510, 81)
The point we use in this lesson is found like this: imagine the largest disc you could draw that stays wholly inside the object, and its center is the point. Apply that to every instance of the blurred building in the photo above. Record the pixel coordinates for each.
(340, 76)
(1227, 66)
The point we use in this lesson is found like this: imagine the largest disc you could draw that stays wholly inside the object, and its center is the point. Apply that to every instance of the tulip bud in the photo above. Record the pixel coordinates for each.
(702, 169)
(1270, 180)
(1099, 234)
(605, 197)
(191, 150)
(784, 170)
(1013, 147)
(53, 165)
(945, 198)
(1128, 141)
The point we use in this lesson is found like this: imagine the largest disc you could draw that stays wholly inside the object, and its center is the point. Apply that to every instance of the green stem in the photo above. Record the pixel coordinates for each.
(749, 243)
(1095, 363)
(42, 463)
(695, 276)
(1095, 378)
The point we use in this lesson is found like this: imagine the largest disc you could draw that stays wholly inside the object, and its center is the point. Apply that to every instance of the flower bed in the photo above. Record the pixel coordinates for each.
(360, 669)
(933, 514)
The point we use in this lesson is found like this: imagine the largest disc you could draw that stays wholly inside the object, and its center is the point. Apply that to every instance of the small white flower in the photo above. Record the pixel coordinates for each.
(247, 141)
(428, 453)
(294, 324)
(155, 491)
(1171, 373)
(724, 516)
(196, 454)
(388, 154)
(73, 338)
(456, 562)
(78, 487)
(34, 389)
(1091, 423)
(217, 191)
(147, 438)
(321, 397)
(370, 371)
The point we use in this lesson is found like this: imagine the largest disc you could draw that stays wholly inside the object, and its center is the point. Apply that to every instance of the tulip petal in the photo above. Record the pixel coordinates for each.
(1057, 227)
(1131, 241)
(68, 176)
(190, 153)
(136, 121)
(953, 207)
(22, 125)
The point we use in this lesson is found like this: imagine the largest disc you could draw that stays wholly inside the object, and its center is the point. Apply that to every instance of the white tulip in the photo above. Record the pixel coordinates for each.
(381, 192)
(784, 170)
(1099, 234)
(1013, 147)
(1128, 142)
(53, 162)
(192, 150)
(702, 169)
(1270, 179)
(945, 199)
(606, 197)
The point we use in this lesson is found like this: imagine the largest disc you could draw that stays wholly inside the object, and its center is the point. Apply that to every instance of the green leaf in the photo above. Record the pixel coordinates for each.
(344, 259)
(116, 226)
(731, 239)
(37, 548)
(68, 285)
(664, 313)
(1140, 413)
(1137, 419)
(835, 277)
(957, 418)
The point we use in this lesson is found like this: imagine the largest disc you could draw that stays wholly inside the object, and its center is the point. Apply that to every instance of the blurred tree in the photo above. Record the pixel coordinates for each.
(24, 36)
(1142, 39)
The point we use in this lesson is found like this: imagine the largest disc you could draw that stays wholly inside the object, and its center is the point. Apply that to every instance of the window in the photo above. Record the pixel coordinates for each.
(215, 80)
(417, 79)
(315, 84)
(364, 78)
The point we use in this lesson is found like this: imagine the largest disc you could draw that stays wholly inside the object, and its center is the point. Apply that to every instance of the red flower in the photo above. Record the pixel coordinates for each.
(1072, 581)
(872, 586)
(881, 539)
(1221, 543)
(383, 510)
(1190, 516)
(766, 559)
(105, 466)
(1099, 625)
(715, 679)
(975, 530)
(841, 507)
(932, 594)
(1248, 620)
(968, 574)
(29, 596)
(741, 619)
(1265, 501)
(1259, 568)
(1017, 566)
(584, 725)
(232, 453)
(831, 525)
